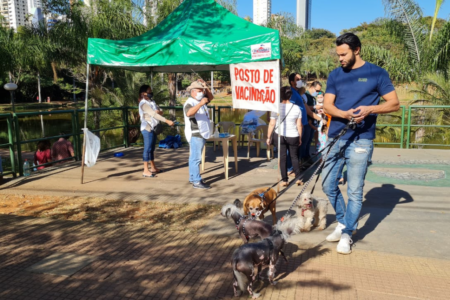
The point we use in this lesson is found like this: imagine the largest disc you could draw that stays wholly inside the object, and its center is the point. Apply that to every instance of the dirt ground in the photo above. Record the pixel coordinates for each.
(168, 216)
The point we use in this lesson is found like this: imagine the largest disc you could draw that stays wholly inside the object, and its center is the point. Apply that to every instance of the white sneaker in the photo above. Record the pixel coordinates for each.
(344, 244)
(335, 236)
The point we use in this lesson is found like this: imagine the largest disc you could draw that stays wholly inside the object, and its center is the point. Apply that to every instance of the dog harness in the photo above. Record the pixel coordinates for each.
(243, 226)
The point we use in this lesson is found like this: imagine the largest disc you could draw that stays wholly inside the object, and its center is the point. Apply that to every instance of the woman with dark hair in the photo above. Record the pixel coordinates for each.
(290, 132)
(150, 115)
(42, 154)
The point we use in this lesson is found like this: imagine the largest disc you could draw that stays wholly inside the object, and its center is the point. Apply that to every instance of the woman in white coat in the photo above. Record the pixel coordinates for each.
(150, 117)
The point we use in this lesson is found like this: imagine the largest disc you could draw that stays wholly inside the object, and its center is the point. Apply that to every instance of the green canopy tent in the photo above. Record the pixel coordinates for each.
(199, 35)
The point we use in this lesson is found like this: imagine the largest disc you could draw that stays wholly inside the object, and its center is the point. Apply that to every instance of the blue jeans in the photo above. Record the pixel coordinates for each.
(149, 145)
(303, 151)
(355, 154)
(195, 158)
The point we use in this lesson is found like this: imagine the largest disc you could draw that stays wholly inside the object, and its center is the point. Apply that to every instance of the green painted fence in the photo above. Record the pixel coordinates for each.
(14, 142)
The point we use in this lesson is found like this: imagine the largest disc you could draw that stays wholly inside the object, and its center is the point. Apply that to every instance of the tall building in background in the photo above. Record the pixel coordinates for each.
(4, 12)
(18, 12)
(304, 13)
(262, 10)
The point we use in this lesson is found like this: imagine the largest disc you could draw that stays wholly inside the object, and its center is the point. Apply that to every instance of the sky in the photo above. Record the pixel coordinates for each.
(335, 15)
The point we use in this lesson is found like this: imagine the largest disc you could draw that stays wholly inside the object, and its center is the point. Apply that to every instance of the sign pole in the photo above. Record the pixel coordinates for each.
(85, 122)
(279, 128)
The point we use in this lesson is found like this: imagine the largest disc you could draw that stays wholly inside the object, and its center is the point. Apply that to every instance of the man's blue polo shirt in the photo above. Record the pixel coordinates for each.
(357, 87)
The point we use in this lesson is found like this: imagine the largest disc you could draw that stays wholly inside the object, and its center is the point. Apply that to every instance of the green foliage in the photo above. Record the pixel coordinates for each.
(318, 33)
(435, 18)
(285, 23)
(409, 14)
(378, 33)
(435, 89)
(397, 67)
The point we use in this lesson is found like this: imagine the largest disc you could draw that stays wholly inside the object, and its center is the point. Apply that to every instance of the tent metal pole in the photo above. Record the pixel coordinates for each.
(279, 128)
(85, 122)
(212, 82)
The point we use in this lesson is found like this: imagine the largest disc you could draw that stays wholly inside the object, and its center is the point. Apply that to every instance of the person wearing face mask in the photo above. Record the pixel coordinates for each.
(150, 117)
(197, 128)
(297, 84)
(310, 95)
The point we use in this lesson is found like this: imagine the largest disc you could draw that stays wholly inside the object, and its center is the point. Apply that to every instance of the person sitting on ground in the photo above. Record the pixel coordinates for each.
(150, 117)
(290, 132)
(43, 154)
(197, 128)
(62, 149)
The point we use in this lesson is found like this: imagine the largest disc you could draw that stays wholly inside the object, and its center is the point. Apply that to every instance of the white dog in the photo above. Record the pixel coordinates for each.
(310, 208)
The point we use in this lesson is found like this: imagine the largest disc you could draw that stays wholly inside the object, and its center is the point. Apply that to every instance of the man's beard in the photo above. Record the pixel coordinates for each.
(351, 62)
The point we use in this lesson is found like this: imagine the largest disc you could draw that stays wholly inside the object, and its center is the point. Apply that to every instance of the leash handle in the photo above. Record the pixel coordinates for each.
(332, 143)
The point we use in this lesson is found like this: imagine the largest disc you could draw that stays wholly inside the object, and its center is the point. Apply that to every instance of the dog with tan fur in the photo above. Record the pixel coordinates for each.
(259, 202)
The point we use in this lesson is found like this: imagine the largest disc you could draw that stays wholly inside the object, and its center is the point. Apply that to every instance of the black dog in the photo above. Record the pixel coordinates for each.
(248, 228)
(263, 253)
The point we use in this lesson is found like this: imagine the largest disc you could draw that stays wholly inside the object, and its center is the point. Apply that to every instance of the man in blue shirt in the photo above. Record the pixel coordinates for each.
(353, 92)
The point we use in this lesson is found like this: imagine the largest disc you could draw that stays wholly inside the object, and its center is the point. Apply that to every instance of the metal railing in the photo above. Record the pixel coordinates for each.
(15, 142)
(10, 144)
(410, 126)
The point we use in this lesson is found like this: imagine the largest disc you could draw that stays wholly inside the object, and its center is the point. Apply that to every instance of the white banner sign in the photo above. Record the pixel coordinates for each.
(256, 86)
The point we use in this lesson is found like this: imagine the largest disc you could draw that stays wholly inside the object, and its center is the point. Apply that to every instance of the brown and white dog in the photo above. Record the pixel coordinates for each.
(311, 212)
(246, 227)
(254, 204)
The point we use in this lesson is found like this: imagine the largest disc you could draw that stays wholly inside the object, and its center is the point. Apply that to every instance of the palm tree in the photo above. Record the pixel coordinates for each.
(425, 57)
(436, 12)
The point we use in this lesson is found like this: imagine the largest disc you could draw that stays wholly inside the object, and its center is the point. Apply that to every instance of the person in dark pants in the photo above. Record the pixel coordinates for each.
(296, 82)
(290, 132)
(312, 92)
(307, 131)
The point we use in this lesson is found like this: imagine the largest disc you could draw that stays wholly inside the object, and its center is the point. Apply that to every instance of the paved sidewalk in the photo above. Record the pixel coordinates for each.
(135, 263)
(401, 248)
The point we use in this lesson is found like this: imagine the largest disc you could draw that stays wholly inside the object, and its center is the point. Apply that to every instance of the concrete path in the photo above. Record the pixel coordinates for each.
(401, 248)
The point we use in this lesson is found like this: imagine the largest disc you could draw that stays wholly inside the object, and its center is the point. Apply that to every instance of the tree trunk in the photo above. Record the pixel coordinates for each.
(420, 133)
(55, 74)
(172, 93)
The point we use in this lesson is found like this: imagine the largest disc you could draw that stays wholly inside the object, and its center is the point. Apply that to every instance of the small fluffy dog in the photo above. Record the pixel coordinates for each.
(247, 228)
(310, 208)
(263, 253)
(254, 203)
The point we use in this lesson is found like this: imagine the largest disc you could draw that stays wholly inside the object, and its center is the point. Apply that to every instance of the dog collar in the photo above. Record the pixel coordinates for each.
(239, 222)
(303, 211)
(262, 196)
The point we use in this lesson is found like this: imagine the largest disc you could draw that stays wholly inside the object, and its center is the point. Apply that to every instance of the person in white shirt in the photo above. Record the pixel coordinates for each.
(197, 129)
(290, 132)
(150, 117)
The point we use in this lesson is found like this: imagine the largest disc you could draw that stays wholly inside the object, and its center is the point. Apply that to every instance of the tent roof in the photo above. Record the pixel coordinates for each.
(199, 35)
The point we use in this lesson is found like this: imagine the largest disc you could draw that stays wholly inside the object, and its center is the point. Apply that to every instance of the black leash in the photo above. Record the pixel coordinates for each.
(306, 171)
(261, 195)
(350, 124)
